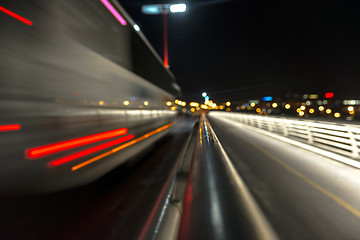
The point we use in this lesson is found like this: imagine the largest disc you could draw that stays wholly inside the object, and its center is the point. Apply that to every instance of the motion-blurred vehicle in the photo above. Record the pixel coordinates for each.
(81, 91)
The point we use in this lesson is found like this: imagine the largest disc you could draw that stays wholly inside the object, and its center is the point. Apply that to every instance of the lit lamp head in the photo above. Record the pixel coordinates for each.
(159, 8)
(152, 9)
(178, 8)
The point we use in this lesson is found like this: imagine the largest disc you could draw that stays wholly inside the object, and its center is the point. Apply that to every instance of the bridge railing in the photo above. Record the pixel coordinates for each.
(343, 139)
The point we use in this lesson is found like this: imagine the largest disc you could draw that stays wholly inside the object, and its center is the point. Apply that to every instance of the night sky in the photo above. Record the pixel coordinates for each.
(238, 49)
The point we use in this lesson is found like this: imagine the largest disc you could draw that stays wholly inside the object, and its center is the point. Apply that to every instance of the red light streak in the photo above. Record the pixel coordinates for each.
(121, 147)
(69, 158)
(72, 143)
(166, 60)
(24, 20)
(10, 127)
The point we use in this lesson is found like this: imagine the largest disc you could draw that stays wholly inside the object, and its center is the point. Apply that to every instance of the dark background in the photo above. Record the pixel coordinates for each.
(238, 49)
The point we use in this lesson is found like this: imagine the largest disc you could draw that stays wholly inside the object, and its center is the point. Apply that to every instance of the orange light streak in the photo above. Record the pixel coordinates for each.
(72, 143)
(114, 150)
(10, 127)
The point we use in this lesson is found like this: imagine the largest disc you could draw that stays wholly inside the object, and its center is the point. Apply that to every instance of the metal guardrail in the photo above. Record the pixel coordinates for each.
(217, 203)
(205, 198)
(339, 138)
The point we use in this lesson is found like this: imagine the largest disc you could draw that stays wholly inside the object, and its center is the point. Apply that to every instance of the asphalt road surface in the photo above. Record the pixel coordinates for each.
(302, 194)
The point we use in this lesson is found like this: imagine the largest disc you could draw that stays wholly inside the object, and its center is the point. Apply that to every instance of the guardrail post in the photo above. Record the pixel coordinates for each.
(253, 122)
(309, 133)
(284, 127)
(354, 147)
(270, 127)
(241, 119)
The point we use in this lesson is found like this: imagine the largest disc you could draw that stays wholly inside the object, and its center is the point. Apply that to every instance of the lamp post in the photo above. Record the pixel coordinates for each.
(164, 9)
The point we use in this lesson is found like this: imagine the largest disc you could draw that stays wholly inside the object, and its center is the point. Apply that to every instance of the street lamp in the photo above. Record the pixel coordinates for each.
(164, 9)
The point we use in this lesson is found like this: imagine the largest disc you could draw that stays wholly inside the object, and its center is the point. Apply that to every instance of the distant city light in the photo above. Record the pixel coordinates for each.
(287, 106)
(146, 103)
(203, 106)
(274, 105)
(325, 102)
(328, 111)
(136, 27)
(207, 98)
(321, 108)
(168, 103)
(301, 113)
(313, 96)
(228, 103)
(308, 103)
(252, 104)
(126, 103)
(329, 95)
(178, 8)
(351, 102)
(337, 115)
(194, 104)
(267, 99)
(302, 108)
(204, 94)
(350, 108)
(311, 110)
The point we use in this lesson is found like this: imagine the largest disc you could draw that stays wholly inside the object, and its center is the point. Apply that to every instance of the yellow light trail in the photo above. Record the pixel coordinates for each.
(114, 150)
